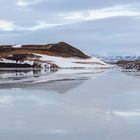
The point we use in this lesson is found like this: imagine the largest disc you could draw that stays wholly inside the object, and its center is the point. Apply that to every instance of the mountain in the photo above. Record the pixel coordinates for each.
(126, 62)
(114, 59)
(60, 49)
(56, 55)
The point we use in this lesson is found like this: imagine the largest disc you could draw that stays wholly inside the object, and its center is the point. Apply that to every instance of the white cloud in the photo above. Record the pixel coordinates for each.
(11, 26)
(22, 3)
(70, 17)
(25, 3)
(42, 25)
(59, 131)
(101, 13)
(79, 16)
(7, 25)
(39, 25)
(127, 114)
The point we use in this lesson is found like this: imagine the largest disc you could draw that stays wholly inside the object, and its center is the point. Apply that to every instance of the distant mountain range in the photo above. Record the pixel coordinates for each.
(126, 62)
(114, 59)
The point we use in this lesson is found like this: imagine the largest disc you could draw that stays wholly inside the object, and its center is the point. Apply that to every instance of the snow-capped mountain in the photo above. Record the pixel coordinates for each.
(59, 55)
(114, 59)
(126, 62)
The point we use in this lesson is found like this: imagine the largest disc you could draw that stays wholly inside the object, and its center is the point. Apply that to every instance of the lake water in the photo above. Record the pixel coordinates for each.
(70, 105)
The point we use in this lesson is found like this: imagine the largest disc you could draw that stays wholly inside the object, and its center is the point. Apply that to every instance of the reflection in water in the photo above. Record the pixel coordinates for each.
(134, 73)
(60, 81)
(105, 108)
(127, 114)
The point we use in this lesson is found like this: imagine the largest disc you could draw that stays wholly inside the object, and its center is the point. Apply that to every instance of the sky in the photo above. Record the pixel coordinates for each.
(101, 27)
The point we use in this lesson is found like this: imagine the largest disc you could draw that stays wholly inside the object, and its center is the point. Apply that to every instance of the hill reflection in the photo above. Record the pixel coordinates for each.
(60, 81)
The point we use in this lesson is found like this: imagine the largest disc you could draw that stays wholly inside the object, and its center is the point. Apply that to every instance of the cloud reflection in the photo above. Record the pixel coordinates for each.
(127, 114)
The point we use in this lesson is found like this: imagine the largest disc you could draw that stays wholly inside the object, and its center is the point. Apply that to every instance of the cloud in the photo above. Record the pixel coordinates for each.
(109, 12)
(40, 25)
(127, 114)
(86, 15)
(7, 25)
(22, 3)
(58, 131)
(25, 3)
(72, 17)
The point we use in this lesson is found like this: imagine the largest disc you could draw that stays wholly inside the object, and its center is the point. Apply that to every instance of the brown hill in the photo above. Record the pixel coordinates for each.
(61, 49)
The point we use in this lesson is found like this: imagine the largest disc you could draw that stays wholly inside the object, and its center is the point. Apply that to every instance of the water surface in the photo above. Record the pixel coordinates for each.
(70, 105)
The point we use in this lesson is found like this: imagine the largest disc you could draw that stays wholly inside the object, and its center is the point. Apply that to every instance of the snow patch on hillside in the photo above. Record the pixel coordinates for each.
(73, 62)
(46, 61)
(16, 46)
(14, 62)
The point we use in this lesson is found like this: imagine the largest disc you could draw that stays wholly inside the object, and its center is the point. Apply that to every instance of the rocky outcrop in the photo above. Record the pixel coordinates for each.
(129, 64)
(14, 65)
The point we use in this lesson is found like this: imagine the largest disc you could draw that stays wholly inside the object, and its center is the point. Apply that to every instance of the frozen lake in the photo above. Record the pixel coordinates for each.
(70, 105)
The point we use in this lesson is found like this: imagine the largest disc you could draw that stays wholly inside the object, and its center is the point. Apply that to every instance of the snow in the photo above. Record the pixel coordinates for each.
(14, 62)
(16, 46)
(118, 58)
(61, 62)
(74, 62)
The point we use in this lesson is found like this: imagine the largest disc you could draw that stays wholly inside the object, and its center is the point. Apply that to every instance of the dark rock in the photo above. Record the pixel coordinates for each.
(12, 65)
(129, 64)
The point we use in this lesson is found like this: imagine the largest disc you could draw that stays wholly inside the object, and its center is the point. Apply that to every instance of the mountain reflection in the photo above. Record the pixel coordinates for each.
(133, 73)
(60, 81)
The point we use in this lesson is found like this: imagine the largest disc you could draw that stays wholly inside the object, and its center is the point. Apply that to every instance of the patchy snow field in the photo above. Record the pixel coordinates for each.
(74, 62)
(45, 61)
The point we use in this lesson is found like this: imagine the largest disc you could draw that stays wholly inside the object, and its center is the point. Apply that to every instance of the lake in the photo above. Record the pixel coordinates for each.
(78, 104)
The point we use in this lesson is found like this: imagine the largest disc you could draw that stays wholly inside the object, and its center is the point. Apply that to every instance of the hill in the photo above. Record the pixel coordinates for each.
(56, 55)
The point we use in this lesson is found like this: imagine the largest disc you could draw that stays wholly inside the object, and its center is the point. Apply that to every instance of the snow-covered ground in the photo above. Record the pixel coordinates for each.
(74, 62)
(46, 61)
(16, 46)
(14, 62)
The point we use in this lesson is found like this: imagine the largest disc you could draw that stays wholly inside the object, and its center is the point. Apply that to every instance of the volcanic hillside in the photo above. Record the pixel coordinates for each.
(60, 49)
(59, 55)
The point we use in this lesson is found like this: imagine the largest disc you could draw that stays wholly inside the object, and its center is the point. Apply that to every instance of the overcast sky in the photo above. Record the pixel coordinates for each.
(104, 27)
